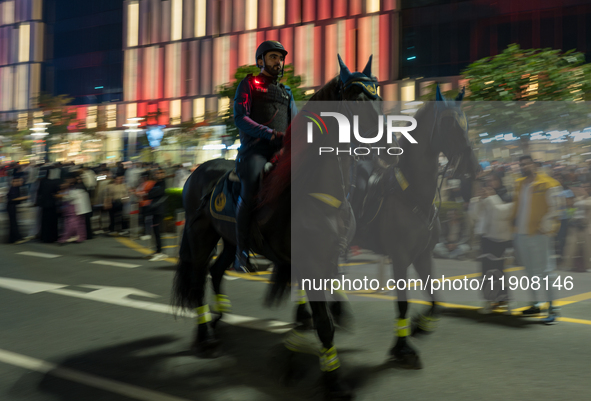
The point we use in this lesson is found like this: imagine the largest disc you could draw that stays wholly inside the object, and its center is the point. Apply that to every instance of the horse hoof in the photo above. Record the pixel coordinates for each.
(405, 357)
(423, 325)
(410, 362)
(417, 331)
(207, 349)
(338, 391)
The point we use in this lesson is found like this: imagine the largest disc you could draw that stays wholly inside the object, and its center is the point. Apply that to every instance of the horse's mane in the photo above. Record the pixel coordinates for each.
(280, 178)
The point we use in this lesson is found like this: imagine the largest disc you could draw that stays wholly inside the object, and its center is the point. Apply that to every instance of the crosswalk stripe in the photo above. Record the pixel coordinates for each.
(39, 254)
(116, 264)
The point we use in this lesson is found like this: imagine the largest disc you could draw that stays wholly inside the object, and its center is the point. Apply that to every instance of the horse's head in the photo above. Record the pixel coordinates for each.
(450, 135)
(357, 86)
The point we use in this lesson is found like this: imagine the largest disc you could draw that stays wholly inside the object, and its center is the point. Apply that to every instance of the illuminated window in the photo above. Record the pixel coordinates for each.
(177, 20)
(200, 15)
(221, 49)
(7, 85)
(23, 119)
(24, 40)
(304, 58)
(408, 92)
(251, 14)
(278, 12)
(331, 68)
(37, 9)
(372, 6)
(111, 116)
(7, 12)
(91, 117)
(133, 17)
(130, 74)
(199, 110)
(247, 48)
(172, 84)
(131, 110)
(175, 112)
(22, 87)
(223, 106)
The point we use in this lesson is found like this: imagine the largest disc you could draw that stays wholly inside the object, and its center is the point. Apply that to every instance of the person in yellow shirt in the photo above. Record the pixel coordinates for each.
(535, 215)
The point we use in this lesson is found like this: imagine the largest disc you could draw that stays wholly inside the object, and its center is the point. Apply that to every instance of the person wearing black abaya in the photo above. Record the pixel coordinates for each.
(48, 203)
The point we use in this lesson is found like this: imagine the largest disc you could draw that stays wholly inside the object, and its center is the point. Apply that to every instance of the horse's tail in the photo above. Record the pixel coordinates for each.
(279, 288)
(184, 294)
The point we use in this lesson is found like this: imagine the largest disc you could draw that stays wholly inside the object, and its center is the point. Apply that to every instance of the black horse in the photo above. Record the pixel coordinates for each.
(406, 225)
(275, 221)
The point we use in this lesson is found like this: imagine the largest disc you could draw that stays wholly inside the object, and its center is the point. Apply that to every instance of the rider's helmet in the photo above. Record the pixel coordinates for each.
(267, 46)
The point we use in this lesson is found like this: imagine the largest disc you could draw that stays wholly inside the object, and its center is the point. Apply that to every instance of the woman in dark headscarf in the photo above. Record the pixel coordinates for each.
(48, 203)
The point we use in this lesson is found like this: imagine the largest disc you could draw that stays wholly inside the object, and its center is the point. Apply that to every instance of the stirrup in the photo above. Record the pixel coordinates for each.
(242, 263)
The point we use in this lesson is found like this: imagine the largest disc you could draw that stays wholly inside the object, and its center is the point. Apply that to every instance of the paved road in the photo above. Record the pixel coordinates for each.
(93, 323)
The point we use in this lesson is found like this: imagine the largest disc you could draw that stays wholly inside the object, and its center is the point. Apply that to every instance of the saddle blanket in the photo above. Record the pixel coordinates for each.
(223, 200)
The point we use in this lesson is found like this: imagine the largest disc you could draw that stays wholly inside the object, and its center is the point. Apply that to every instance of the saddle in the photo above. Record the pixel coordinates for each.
(224, 198)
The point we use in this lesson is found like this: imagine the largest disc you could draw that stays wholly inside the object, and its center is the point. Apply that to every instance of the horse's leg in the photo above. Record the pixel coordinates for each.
(402, 353)
(198, 241)
(303, 317)
(426, 322)
(341, 310)
(217, 271)
(329, 360)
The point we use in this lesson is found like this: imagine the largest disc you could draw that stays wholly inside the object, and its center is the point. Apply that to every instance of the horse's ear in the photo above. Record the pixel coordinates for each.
(345, 73)
(367, 69)
(438, 95)
(460, 96)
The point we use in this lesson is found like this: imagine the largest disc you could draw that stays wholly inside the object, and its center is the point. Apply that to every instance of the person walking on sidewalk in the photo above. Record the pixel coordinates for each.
(75, 203)
(116, 196)
(536, 212)
(157, 196)
(492, 209)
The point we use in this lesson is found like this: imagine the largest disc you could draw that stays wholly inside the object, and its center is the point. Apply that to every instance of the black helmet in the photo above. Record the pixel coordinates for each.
(267, 46)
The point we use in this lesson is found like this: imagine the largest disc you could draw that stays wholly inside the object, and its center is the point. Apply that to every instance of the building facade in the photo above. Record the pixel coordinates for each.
(84, 52)
(177, 52)
(442, 37)
(22, 36)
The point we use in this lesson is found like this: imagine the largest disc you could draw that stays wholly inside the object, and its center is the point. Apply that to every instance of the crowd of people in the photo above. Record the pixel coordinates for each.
(71, 202)
(542, 211)
(547, 228)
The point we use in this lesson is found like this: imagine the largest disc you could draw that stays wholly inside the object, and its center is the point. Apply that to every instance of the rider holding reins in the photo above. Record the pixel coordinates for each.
(263, 109)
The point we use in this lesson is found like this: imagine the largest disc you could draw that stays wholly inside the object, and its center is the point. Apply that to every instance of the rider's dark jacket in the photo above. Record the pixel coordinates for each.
(261, 106)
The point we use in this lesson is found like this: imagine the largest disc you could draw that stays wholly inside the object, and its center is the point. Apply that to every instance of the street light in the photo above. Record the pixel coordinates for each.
(39, 129)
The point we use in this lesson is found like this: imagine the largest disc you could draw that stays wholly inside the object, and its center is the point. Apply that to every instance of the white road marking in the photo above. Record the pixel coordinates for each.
(119, 296)
(116, 264)
(110, 385)
(28, 286)
(39, 254)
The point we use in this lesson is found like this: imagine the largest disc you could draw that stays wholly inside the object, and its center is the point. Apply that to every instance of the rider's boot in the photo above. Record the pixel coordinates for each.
(243, 220)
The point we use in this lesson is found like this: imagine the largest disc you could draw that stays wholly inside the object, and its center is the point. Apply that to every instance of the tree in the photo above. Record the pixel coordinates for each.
(526, 75)
(56, 112)
(531, 77)
(228, 90)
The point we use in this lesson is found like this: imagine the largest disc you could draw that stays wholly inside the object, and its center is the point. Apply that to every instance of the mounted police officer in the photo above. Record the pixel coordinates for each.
(263, 109)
